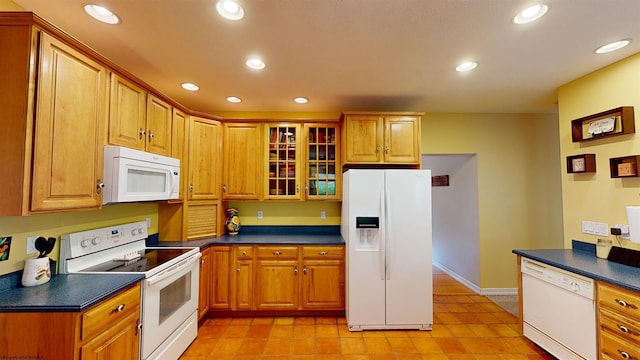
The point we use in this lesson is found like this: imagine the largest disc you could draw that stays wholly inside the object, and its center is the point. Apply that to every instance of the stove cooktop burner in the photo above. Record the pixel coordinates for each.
(149, 259)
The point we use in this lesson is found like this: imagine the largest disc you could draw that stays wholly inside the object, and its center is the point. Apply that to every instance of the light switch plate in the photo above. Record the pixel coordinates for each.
(323, 215)
(260, 215)
(595, 228)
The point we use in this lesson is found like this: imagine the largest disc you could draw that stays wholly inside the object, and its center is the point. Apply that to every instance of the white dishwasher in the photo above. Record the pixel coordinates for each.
(559, 311)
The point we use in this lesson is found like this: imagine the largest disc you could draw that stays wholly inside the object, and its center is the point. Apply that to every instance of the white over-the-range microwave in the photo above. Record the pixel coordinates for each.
(132, 175)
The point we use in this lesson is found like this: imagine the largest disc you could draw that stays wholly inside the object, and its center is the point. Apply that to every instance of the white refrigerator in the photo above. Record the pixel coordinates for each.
(386, 224)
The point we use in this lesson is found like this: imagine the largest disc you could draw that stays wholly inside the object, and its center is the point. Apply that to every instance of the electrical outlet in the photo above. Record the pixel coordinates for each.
(260, 214)
(624, 230)
(323, 215)
(31, 244)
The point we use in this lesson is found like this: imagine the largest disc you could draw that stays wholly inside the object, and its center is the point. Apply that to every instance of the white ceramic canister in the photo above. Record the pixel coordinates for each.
(37, 271)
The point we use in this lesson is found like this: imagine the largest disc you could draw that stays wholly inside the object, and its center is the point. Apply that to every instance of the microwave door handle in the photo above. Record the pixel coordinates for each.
(175, 180)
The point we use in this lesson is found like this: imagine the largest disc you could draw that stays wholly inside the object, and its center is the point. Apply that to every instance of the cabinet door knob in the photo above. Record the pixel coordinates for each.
(99, 187)
(625, 304)
(237, 269)
(151, 136)
(141, 133)
(224, 188)
(304, 270)
(386, 149)
(295, 271)
(322, 253)
(190, 187)
(244, 253)
(202, 261)
(117, 309)
(377, 148)
(625, 354)
(277, 253)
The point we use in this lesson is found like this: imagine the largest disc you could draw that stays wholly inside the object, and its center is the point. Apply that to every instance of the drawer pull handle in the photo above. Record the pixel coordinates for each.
(625, 354)
(277, 253)
(625, 304)
(117, 309)
(322, 253)
(626, 330)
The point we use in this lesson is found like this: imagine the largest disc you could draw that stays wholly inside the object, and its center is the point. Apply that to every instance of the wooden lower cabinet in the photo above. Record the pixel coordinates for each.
(205, 282)
(220, 291)
(618, 322)
(108, 330)
(277, 278)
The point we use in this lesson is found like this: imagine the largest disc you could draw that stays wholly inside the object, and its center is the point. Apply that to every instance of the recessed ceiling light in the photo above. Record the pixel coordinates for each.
(532, 13)
(101, 14)
(230, 9)
(466, 66)
(301, 100)
(616, 45)
(190, 87)
(233, 99)
(255, 63)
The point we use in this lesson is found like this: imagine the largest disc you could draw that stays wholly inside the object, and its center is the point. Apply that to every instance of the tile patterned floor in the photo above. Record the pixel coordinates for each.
(466, 326)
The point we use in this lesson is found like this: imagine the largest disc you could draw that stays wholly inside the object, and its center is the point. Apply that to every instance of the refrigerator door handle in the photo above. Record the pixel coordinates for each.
(387, 230)
(383, 239)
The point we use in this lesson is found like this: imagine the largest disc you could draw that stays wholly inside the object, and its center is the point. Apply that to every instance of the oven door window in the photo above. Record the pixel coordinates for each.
(174, 296)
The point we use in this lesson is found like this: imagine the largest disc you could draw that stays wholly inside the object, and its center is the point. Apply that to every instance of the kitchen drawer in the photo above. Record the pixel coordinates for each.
(277, 252)
(614, 347)
(109, 312)
(619, 300)
(622, 326)
(323, 252)
(244, 252)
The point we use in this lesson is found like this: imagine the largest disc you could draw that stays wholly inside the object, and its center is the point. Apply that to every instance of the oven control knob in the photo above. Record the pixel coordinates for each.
(96, 241)
(84, 243)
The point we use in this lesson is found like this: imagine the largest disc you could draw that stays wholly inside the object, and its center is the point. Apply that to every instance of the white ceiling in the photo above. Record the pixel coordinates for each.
(377, 55)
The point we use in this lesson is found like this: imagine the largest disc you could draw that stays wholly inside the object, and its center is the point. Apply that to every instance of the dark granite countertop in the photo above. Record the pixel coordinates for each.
(66, 293)
(585, 263)
(272, 235)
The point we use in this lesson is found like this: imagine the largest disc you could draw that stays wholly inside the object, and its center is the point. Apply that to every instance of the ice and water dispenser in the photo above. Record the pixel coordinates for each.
(368, 233)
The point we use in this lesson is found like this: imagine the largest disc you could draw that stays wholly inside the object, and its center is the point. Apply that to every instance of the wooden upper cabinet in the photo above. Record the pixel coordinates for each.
(205, 153)
(283, 158)
(385, 138)
(138, 120)
(322, 169)
(242, 175)
(159, 114)
(127, 113)
(69, 127)
(402, 139)
(363, 138)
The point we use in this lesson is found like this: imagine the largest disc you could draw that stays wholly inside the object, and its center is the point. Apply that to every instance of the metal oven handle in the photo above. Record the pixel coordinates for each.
(170, 271)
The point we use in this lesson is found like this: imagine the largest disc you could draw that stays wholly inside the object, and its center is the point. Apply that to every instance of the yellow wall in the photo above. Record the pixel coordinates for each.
(54, 225)
(288, 213)
(518, 183)
(598, 197)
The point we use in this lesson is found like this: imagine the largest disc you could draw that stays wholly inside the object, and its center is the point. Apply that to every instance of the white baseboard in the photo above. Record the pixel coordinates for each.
(475, 288)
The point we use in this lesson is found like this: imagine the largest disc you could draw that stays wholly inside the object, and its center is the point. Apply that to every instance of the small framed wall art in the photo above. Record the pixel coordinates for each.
(583, 163)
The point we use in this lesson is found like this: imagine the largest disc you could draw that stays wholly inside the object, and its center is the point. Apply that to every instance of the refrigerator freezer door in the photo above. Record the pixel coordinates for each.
(365, 281)
(409, 286)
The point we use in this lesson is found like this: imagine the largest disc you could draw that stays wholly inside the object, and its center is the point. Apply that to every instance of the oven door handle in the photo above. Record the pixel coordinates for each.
(170, 271)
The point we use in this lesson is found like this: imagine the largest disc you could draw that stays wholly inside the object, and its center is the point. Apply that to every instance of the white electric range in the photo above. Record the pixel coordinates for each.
(169, 291)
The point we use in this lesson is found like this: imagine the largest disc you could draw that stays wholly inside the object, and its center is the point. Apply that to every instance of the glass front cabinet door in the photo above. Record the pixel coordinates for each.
(322, 162)
(283, 159)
